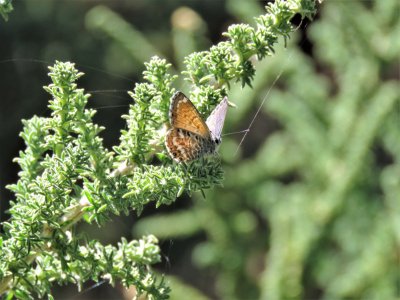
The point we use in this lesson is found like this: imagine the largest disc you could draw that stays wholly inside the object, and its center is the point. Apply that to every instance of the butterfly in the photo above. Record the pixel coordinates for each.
(190, 137)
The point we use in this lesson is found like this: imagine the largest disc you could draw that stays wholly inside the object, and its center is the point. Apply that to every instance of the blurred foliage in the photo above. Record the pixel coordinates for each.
(5, 8)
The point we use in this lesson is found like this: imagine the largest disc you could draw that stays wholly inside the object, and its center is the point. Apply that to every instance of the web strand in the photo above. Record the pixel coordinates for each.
(247, 131)
(97, 284)
(82, 66)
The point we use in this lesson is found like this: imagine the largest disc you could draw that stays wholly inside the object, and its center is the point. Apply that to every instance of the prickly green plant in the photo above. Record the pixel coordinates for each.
(67, 174)
(63, 168)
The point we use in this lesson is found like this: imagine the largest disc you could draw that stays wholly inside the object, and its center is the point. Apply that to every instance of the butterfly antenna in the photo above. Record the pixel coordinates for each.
(236, 132)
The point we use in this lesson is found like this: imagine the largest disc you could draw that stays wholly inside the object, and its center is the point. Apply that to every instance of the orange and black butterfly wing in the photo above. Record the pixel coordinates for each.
(184, 145)
(183, 114)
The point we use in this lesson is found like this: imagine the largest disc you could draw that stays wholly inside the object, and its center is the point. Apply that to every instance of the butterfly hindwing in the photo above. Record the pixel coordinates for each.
(216, 119)
(184, 115)
(183, 145)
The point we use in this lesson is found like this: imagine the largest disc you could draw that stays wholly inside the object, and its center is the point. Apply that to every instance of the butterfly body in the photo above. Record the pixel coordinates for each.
(190, 137)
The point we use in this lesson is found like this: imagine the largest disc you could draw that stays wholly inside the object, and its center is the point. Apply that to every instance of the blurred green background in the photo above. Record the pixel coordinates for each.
(310, 207)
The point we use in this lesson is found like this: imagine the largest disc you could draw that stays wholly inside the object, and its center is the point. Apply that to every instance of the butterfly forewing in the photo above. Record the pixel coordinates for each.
(215, 121)
(184, 115)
